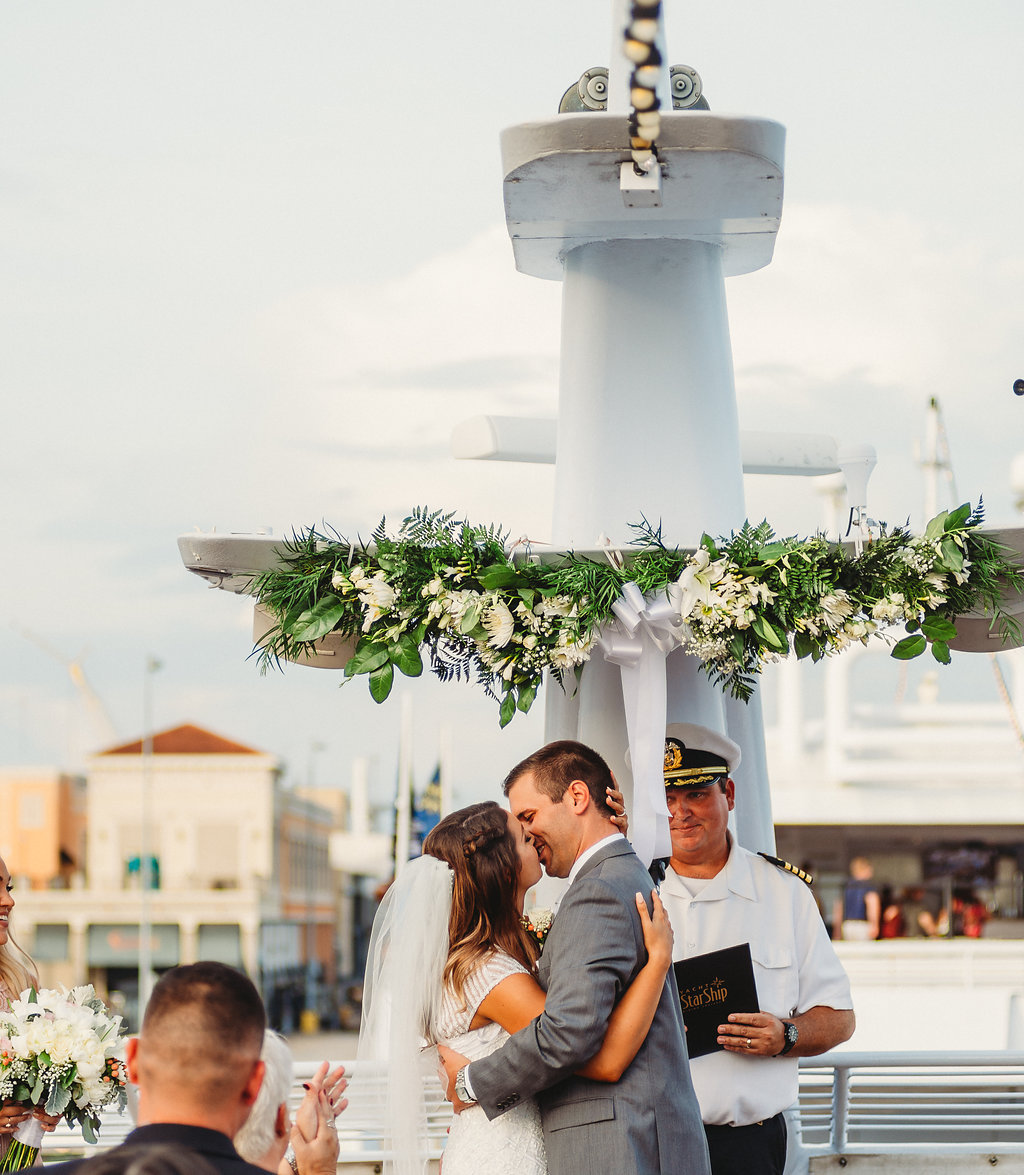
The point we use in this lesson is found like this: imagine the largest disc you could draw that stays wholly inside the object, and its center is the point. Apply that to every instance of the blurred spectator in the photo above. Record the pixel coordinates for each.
(858, 913)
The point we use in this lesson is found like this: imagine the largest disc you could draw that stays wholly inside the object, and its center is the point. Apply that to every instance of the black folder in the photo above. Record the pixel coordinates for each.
(710, 987)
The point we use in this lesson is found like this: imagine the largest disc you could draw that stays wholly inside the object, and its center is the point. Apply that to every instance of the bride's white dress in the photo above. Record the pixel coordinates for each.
(513, 1143)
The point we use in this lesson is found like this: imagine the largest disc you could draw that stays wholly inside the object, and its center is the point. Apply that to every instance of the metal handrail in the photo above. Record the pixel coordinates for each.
(912, 1102)
(852, 1102)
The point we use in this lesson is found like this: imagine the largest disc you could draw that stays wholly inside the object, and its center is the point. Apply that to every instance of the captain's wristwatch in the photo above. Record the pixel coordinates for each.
(792, 1034)
(461, 1092)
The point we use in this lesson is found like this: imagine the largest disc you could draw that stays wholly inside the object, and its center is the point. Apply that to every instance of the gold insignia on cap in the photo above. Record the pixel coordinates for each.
(673, 755)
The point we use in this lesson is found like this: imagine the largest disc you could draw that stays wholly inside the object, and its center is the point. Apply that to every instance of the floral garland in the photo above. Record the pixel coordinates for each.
(455, 591)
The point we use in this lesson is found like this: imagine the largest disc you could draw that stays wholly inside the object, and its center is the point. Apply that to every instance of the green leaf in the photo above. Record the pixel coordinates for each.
(770, 635)
(958, 517)
(319, 620)
(912, 625)
(33, 996)
(508, 709)
(803, 644)
(498, 575)
(952, 556)
(937, 526)
(88, 1130)
(405, 656)
(37, 1089)
(708, 543)
(910, 647)
(527, 693)
(772, 551)
(470, 619)
(941, 653)
(367, 657)
(938, 628)
(381, 681)
(737, 646)
(58, 1100)
(528, 596)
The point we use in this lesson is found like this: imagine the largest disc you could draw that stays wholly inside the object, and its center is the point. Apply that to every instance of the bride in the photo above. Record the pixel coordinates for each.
(451, 963)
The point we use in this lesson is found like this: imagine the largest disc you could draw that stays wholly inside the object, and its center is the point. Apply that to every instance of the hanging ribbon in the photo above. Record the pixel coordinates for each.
(638, 641)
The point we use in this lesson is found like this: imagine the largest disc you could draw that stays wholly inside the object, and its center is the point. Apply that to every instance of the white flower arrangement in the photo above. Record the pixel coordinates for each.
(537, 922)
(60, 1051)
(455, 592)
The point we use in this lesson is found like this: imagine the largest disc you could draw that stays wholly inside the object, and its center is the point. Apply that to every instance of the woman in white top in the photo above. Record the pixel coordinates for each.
(17, 972)
(451, 962)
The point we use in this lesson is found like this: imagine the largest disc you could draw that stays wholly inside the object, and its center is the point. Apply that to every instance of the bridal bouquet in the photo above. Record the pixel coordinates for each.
(60, 1052)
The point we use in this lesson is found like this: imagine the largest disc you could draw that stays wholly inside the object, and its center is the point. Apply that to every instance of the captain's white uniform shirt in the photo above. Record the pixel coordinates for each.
(795, 968)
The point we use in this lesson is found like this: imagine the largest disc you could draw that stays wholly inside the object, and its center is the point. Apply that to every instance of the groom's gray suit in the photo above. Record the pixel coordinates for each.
(648, 1123)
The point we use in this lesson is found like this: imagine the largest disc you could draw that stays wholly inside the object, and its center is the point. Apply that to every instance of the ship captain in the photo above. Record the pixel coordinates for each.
(720, 895)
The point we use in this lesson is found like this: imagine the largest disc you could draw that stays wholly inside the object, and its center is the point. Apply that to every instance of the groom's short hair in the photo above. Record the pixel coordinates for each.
(557, 764)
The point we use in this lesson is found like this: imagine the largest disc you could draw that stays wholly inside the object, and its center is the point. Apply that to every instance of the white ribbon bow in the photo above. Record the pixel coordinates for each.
(638, 641)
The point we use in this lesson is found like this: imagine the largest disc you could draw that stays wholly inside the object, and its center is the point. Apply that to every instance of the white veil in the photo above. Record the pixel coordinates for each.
(401, 1003)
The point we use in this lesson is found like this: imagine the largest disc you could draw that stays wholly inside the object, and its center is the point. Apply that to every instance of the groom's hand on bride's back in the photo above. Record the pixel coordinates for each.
(451, 1063)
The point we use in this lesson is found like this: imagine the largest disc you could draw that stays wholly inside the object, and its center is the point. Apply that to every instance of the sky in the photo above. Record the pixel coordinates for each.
(253, 269)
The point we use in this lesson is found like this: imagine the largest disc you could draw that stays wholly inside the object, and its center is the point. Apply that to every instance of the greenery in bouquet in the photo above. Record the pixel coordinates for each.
(477, 607)
(60, 1051)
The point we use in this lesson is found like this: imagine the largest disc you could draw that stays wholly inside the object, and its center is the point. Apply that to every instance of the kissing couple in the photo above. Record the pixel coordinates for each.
(567, 1062)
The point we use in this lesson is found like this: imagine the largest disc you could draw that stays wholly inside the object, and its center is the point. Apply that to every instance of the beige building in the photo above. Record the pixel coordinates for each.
(42, 825)
(196, 835)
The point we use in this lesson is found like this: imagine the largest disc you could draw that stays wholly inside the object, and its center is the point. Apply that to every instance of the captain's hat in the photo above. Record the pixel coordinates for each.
(696, 756)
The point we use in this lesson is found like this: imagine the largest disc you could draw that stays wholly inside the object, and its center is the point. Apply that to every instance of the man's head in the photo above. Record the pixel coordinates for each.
(700, 795)
(861, 869)
(559, 796)
(196, 1061)
(263, 1138)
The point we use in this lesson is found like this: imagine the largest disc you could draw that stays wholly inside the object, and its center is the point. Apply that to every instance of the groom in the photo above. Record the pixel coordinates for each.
(648, 1123)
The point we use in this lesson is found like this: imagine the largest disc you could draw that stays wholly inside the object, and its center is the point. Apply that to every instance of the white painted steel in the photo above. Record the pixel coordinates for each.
(534, 439)
(721, 184)
(896, 1104)
(905, 1103)
(647, 409)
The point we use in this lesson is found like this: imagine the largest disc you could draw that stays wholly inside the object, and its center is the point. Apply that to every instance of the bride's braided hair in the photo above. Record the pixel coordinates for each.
(477, 844)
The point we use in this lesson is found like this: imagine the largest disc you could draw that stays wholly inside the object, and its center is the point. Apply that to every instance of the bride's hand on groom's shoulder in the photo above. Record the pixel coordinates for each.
(618, 806)
(657, 930)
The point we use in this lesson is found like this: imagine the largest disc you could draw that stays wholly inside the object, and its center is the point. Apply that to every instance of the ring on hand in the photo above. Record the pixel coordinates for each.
(748, 1042)
(331, 1124)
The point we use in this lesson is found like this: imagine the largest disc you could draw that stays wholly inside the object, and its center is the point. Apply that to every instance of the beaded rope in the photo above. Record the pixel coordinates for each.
(641, 33)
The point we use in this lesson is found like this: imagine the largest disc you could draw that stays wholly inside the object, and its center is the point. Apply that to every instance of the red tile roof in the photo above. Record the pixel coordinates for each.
(185, 740)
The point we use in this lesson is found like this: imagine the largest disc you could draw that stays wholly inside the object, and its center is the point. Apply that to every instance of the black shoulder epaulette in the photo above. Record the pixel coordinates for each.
(801, 873)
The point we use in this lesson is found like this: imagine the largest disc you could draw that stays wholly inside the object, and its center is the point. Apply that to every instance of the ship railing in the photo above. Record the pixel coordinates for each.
(851, 1104)
(912, 1102)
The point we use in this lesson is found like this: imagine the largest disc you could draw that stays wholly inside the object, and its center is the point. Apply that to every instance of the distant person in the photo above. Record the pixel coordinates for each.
(266, 1134)
(922, 913)
(858, 913)
(720, 895)
(196, 1065)
(17, 972)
